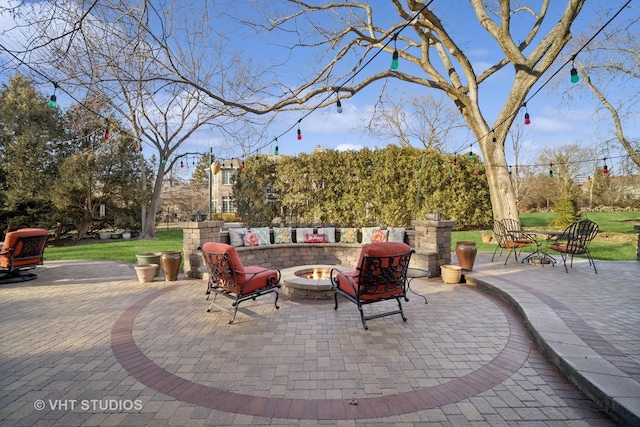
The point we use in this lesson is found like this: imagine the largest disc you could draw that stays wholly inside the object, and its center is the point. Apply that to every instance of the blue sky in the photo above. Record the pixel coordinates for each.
(554, 122)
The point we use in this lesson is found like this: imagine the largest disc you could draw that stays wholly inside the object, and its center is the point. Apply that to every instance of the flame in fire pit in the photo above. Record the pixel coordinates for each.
(315, 274)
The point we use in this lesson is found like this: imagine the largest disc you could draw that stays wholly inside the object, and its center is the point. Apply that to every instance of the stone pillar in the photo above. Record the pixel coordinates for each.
(194, 235)
(434, 236)
(637, 227)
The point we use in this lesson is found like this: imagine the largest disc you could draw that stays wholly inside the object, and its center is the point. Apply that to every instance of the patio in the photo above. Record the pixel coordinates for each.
(94, 347)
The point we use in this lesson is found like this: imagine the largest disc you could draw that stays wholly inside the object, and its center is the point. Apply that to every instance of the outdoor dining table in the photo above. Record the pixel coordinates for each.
(540, 255)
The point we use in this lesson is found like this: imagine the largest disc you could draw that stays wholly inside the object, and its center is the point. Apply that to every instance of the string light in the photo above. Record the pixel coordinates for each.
(574, 74)
(339, 106)
(299, 132)
(243, 164)
(470, 157)
(394, 57)
(276, 151)
(53, 100)
(106, 134)
(605, 170)
(181, 164)
(527, 120)
(551, 170)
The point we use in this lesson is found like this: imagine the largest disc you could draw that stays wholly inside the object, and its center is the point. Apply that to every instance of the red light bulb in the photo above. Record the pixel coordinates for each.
(106, 134)
(299, 135)
(526, 119)
(181, 164)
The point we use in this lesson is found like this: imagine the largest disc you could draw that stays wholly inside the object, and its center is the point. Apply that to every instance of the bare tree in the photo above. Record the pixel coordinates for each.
(440, 60)
(422, 119)
(610, 70)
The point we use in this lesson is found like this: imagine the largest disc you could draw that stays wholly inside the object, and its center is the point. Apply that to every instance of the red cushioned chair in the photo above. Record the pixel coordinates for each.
(509, 236)
(227, 276)
(381, 275)
(22, 250)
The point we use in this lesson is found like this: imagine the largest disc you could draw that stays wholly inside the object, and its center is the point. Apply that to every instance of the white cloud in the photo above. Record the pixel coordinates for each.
(349, 147)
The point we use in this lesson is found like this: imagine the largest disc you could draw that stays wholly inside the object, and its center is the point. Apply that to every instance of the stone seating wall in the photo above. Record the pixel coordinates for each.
(430, 239)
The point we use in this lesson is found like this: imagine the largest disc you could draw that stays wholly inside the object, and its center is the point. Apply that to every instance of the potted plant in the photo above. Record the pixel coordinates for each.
(486, 236)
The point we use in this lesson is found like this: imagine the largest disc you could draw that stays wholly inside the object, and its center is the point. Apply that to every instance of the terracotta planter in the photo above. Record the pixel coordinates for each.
(170, 262)
(451, 273)
(486, 238)
(146, 272)
(466, 253)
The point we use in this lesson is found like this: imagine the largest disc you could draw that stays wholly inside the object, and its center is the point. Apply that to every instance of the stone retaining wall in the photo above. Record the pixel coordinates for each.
(430, 239)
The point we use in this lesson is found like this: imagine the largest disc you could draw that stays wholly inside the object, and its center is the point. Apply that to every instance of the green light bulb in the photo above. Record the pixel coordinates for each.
(574, 76)
(394, 60)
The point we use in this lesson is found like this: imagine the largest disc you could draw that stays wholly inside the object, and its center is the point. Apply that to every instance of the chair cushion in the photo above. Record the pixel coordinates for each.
(234, 258)
(569, 249)
(511, 244)
(259, 281)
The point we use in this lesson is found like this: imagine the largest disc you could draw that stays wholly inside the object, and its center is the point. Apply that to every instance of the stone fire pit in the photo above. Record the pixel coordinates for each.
(309, 281)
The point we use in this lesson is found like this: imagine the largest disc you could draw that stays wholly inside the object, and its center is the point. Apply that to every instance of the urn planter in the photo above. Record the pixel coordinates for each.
(466, 253)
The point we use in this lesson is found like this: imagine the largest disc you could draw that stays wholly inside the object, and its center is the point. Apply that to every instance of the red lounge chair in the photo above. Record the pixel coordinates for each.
(22, 250)
(381, 275)
(227, 276)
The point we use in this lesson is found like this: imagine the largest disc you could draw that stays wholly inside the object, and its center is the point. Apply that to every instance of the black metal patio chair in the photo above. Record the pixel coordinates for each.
(575, 240)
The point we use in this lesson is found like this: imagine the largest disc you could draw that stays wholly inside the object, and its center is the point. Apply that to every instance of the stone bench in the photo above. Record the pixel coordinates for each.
(430, 239)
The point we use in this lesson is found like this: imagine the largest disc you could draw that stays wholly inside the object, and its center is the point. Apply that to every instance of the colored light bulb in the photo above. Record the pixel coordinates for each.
(394, 60)
(339, 106)
(574, 76)
(53, 102)
(181, 164)
(276, 152)
(106, 134)
(243, 164)
(605, 170)
(299, 135)
(527, 120)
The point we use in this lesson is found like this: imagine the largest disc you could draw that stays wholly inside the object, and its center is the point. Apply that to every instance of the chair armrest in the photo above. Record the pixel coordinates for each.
(334, 279)
(7, 251)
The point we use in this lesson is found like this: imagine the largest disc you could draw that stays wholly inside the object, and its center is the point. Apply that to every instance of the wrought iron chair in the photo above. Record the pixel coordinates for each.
(381, 275)
(575, 240)
(22, 250)
(510, 236)
(227, 276)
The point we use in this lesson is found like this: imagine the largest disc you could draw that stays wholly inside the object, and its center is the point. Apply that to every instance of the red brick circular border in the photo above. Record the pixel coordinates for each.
(139, 366)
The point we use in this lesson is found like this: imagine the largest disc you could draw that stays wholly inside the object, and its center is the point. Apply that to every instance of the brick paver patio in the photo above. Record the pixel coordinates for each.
(94, 347)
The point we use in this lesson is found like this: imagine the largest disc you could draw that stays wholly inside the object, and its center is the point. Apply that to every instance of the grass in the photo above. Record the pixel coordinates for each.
(617, 241)
(117, 250)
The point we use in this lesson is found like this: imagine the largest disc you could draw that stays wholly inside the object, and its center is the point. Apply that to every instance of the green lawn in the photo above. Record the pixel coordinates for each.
(617, 241)
(118, 250)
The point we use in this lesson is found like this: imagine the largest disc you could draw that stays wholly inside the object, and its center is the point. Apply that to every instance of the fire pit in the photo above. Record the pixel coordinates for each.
(308, 281)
